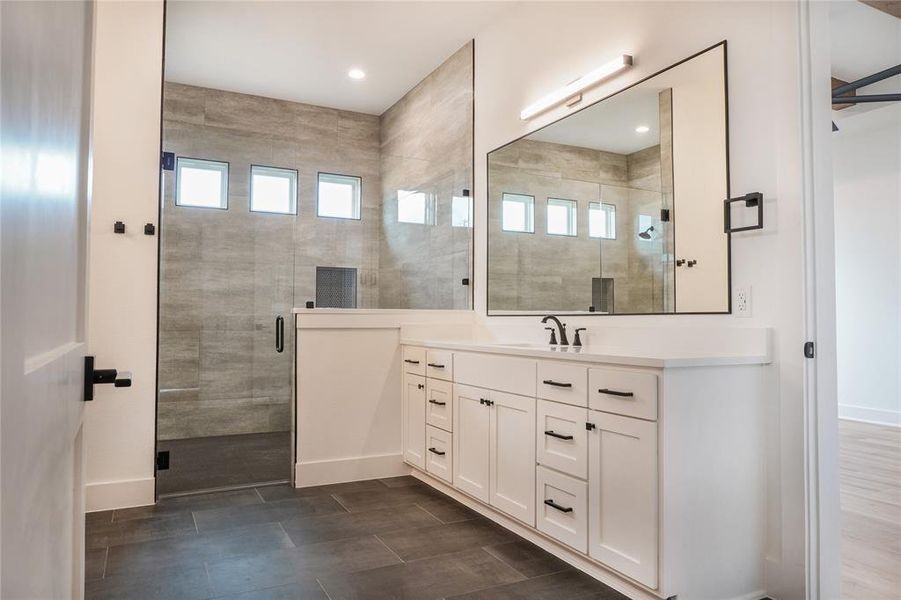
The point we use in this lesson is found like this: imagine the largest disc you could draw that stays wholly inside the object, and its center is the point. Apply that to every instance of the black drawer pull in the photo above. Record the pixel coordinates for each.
(559, 436)
(438, 452)
(556, 383)
(419, 386)
(435, 365)
(437, 402)
(553, 504)
(410, 361)
(615, 393)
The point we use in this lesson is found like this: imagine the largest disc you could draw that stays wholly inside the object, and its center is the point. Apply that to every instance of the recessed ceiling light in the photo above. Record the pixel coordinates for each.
(356, 74)
(642, 129)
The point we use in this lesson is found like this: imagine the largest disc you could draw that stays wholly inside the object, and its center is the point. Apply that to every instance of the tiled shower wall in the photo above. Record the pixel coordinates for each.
(426, 145)
(540, 272)
(226, 274)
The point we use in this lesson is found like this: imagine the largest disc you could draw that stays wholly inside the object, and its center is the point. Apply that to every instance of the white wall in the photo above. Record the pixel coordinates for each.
(540, 46)
(867, 172)
(122, 288)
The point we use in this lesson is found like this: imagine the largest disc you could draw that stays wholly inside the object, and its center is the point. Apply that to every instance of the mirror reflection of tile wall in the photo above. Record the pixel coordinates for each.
(225, 274)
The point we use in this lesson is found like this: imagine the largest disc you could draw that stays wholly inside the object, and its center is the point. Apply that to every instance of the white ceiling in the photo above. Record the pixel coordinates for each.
(864, 41)
(301, 51)
(610, 125)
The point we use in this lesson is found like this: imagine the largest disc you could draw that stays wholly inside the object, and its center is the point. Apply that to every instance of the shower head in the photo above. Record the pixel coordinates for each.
(646, 234)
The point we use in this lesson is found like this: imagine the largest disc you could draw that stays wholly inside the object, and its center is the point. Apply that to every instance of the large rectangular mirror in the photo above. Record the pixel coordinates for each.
(618, 208)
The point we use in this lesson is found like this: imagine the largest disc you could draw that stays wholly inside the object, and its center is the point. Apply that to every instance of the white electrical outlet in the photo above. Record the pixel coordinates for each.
(742, 303)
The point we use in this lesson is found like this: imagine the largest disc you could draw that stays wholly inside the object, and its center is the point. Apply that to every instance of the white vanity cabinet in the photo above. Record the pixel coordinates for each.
(645, 472)
(494, 449)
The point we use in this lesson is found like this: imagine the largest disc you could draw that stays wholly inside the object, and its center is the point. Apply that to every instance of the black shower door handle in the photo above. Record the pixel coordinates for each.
(279, 334)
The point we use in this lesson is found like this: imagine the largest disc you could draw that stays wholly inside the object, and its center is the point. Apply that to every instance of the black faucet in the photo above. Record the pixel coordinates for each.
(561, 326)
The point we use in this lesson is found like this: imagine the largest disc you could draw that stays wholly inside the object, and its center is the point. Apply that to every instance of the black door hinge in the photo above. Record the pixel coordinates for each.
(167, 161)
(162, 460)
(664, 215)
(589, 426)
(809, 349)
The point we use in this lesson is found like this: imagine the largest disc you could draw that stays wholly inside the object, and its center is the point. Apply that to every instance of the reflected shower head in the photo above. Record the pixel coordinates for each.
(646, 234)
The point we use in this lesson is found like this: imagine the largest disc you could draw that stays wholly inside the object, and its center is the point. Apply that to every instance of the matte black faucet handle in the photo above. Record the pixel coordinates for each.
(578, 340)
(553, 331)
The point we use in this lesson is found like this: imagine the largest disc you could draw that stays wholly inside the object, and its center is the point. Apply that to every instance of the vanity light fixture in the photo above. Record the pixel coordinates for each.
(356, 73)
(642, 129)
(577, 87)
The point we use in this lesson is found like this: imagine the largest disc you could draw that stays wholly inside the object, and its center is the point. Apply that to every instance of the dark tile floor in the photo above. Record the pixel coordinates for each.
(225, 461)
(381, 539)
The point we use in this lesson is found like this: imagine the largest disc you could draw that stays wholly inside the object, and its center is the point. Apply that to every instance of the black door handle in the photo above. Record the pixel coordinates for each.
(94, 376)
(436, 402)
(616, 393)
(435, 366)
(553, 504)
(559, 436)
(410, 361)
(556, 383)
(279, 334)
(438, 452)
(419, 386)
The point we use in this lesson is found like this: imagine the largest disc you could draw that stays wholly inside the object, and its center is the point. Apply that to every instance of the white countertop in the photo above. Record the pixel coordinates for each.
(659, 358)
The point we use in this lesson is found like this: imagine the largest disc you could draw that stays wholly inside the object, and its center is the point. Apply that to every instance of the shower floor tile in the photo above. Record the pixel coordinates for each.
(224, 461)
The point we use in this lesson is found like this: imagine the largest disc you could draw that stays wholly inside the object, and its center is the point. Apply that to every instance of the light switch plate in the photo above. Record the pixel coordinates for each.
(742, 304)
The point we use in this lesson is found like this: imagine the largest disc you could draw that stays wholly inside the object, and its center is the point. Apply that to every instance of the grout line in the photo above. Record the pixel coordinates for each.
(259, 495)
(105, 562)
(194, 519)
(335, 498)
(209, 580)
(502, 561)
(389, 549)
(322, 587)
(420, 507)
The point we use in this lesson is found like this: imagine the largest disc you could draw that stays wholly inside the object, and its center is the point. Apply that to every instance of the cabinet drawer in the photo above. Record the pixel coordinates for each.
(440, 364)
(439, 404)
(439, 458)
(562, 438)
(414, 360)
(562, 508)
(563, 383)
(503, 373)
(630, 393)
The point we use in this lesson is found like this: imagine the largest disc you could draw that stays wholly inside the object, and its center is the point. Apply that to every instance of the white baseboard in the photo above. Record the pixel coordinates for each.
(342, 470)
(865, 414)
(109, 495)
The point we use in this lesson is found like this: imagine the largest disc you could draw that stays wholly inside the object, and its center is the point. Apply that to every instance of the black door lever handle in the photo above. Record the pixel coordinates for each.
(94, 376)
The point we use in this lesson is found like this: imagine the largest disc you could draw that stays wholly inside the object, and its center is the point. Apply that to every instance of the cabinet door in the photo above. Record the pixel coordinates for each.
(414, 420)
(439, 458)
(622, 495)
(513, 455)
(471, 420)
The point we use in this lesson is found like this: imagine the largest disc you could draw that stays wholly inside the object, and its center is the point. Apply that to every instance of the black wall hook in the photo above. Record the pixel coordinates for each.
(94, 376)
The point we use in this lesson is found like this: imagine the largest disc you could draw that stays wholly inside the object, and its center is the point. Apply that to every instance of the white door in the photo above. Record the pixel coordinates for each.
(45, 119)
(471, 422)
(512, 472)
(622, 495)
(414, 420)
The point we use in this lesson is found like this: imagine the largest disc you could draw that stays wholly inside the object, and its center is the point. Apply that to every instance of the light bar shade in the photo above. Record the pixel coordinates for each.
(582, 83)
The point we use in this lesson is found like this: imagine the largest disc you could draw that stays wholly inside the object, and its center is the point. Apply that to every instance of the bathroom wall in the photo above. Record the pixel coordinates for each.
(226, 274)
(867, 162)
(426, 145)
(540, 272)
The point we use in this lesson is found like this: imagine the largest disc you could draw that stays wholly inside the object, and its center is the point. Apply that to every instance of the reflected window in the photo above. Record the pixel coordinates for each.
(518, 213)
(461, 211)
(273, 190)
(562, 217)
(602, 220)
(338, 196)
(201, 183)
(415, 207)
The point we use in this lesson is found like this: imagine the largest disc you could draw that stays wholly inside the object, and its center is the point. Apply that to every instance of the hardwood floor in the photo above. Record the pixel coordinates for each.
(370, 540)
(870, 475)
